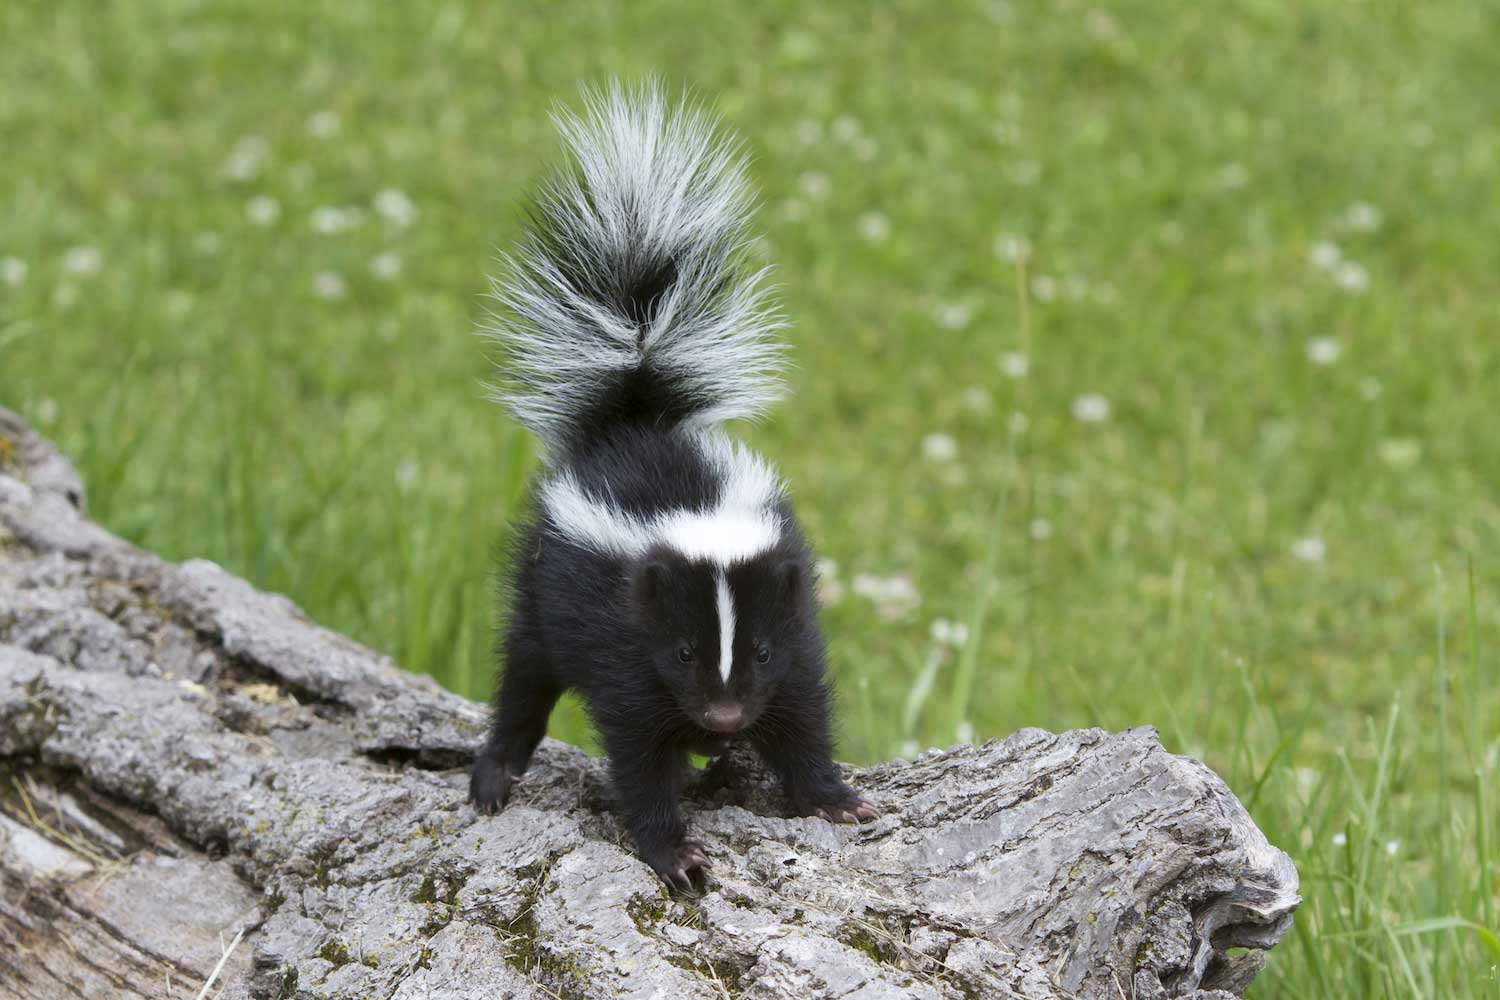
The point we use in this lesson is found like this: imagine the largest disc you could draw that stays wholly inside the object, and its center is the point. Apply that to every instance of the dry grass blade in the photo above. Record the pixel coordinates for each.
(224, 957)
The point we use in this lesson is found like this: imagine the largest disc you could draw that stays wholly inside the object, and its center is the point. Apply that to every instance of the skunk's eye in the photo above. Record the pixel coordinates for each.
(685, 654)
(762, 653)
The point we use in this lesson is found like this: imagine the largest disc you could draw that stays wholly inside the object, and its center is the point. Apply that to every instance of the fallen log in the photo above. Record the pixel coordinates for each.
(201, 789)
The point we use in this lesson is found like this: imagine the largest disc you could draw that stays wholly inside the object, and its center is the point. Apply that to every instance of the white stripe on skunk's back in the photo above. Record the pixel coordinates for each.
(743, 524)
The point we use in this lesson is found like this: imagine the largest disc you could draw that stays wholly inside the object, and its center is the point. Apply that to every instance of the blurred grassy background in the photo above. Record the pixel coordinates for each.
(1153, 346)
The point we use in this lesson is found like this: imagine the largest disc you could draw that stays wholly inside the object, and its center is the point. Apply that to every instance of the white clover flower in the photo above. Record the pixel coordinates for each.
(178, 303)
(874, 227)
(953, 315)
(46, 411)
(909, 749)
(263, 210)
(83, 261)
(793, 210)
(1392, 846)
(1279, 433)
(1340, 839)
(939, 448)
(815, 185)
(894, 597)
(965, 732)
(395, 207)
(330, 220)
(1399, 453)
(207, 243)
(808, 132)
(1043, 288)
(846, 128)
(1234, 176)
(12, 271)
(826, 569)
(1091, 408)
(1102, 24)
(328, 285)
(865, 149)
(948, 633)
(977, 399)
(875, 587)
(1323, 350)
(1324, 256)
(1309, 550)
(1041, 529)
(323, 124)
(1015, 364)
(1025, 173)
(1352, 277)
(1010, 247)
(386, 266)
(245, 159)
(1363, 217)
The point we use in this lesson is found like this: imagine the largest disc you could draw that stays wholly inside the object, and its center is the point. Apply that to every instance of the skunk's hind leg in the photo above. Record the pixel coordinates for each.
(528, 691)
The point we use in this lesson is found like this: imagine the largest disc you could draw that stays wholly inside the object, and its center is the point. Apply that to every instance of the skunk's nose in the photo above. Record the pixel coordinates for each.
(724, 718)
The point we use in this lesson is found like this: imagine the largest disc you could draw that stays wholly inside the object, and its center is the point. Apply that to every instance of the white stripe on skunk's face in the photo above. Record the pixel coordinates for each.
(726, 625)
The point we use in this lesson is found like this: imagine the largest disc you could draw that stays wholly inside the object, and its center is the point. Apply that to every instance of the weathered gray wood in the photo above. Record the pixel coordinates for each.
(183, 758)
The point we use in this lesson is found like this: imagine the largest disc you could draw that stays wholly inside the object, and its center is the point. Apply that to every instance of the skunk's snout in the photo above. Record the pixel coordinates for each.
(724, 718)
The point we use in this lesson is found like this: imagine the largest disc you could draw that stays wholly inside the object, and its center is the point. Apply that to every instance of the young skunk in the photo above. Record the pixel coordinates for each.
(663, 575)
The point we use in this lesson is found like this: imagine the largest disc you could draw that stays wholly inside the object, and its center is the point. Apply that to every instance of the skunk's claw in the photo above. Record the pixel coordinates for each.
(489, 786)
(681, 863)
(855, 809)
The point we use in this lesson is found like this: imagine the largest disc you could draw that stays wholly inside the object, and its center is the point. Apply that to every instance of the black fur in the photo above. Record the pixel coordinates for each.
(611, 630)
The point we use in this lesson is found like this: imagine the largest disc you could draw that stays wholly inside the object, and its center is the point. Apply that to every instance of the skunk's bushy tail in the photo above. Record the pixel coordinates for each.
(630, 299)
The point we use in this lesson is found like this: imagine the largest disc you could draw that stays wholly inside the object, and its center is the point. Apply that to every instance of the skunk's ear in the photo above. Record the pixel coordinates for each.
(791, 579)
(648, 584)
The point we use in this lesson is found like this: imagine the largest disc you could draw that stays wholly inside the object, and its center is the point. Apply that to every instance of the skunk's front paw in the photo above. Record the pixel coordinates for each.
(676, 865)
(489, 785)
(842, 806)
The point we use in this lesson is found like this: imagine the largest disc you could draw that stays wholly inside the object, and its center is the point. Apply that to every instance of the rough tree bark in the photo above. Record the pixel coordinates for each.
(184, 759)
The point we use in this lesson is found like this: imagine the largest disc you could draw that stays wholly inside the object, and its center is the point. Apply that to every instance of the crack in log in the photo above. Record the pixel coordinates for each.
(422, 758)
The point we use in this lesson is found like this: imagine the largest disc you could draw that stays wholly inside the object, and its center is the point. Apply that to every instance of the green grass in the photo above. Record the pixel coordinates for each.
(1173, 168)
